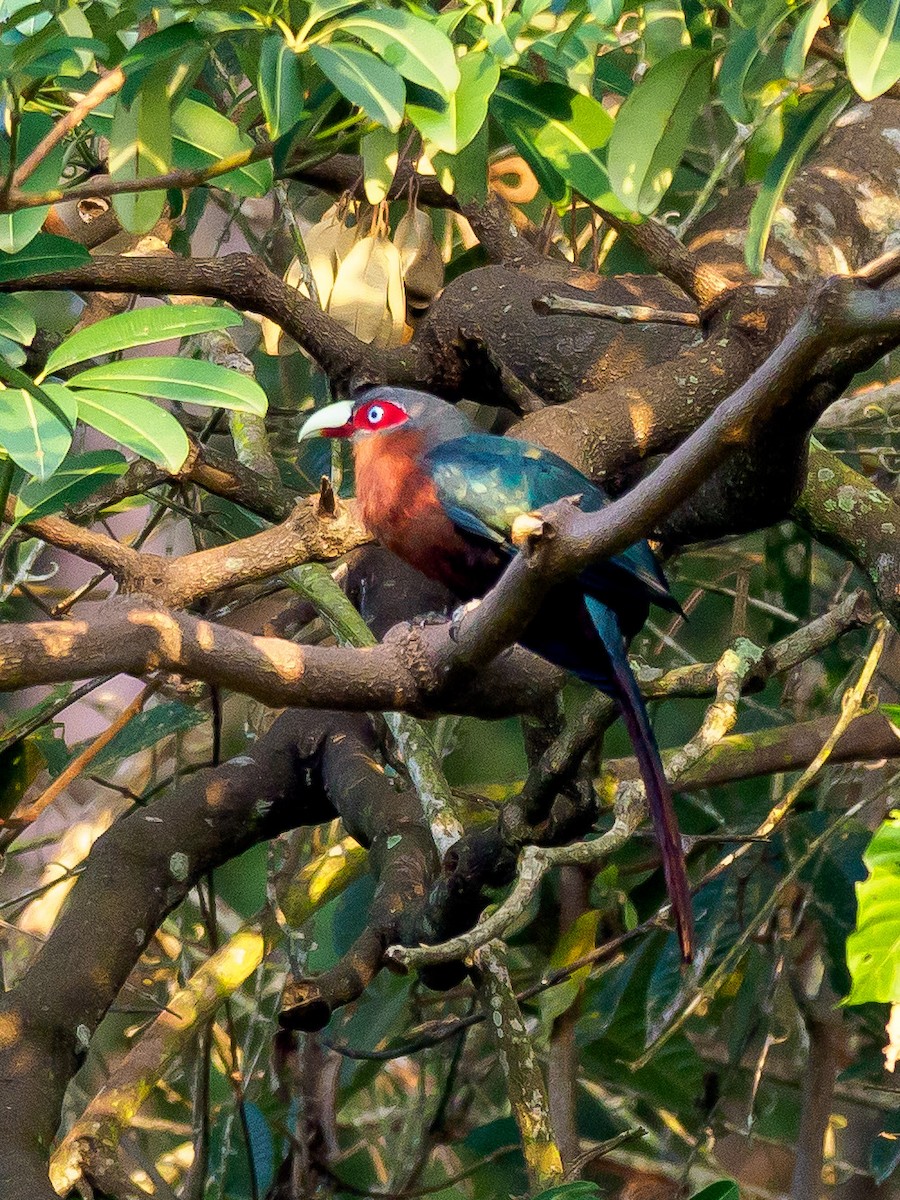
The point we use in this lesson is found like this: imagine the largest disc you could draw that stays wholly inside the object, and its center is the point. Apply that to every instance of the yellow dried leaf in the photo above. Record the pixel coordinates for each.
(414, 236)
(327, 243)
(368, 291)
(425, 277)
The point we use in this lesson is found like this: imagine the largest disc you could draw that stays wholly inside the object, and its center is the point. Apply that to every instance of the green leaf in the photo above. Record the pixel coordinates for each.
(140, 146)
(321, 10)
(413, 46)
(578, 940)
(201, 137)
(204, 136)
(138, 328)
(19, 228)
(560, 133)
(606, 12)
(36, 436)
(804, 129)
(44, 254)
(280, 85)
(454, 126)
(138, 424)
(16, 321)
(664, 30)
(802, 38)
(379, 155)
(78, 32)
(722, 1189)
(653, 126)
(145, 729)
(579, 1189)
(186, 380)
(365, 80)
(20, 765)
(80, 475)
(873, 949)
(742, 54)
(177, 47)
(872, 47)
(14, 355)
(465, 175)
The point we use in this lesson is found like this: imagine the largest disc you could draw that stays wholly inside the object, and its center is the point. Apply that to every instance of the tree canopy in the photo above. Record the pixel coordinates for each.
(348, 895)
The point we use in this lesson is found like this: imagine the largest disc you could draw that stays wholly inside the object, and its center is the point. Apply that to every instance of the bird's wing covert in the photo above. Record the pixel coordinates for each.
(484, 482)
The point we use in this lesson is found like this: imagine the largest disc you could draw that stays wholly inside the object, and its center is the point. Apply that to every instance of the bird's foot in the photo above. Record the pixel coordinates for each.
(459, 615)
(434, 617)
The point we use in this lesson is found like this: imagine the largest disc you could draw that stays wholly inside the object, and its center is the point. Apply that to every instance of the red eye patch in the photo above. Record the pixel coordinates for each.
(379, 414)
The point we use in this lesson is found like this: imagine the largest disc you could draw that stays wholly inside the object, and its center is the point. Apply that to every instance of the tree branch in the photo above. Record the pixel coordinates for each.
(246, 282)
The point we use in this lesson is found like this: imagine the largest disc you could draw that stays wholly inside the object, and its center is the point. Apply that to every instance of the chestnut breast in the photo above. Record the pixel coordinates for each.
(399, 505)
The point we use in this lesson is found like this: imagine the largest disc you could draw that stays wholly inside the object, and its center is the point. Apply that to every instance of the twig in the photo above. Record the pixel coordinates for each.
(21, 818)
(524, 1081)
(726, 965)
(625, 314)
(107, 86)
(105, 186)
(533, 864)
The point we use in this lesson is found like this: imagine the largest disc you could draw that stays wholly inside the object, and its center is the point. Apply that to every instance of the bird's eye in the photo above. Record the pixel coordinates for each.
(376, 414)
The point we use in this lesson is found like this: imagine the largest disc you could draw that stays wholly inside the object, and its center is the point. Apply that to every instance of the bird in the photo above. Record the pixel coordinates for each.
(444, 497)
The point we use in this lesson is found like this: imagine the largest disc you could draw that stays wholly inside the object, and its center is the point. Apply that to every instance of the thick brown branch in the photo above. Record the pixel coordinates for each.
(837, 313)
(844, 509)
(671, 258)
(869, 738)
(305, 536)
(246, 282)
(140, 637)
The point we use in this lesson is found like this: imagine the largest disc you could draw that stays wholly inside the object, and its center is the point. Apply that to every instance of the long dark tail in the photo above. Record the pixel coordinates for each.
(659, 794)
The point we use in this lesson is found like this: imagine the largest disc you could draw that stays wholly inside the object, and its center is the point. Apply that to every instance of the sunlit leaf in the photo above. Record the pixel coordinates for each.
(453, 127)
(202, 137)
(804, 129)
(873, 949)
(872, 47)
(138, 424)
(365, 80)
(413, 46)
(36, 436)
(187, 380)
(140, 146)
(138, 328)
(379, 151)
(280, 85)
(78, 477)
(561, 134)
(178, 47)
(16, 321)
(802, 38)
(653, 126)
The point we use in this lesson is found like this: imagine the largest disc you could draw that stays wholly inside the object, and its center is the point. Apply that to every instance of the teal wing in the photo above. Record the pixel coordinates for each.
(484, 482)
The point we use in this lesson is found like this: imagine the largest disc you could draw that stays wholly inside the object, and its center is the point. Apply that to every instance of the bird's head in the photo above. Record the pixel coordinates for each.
(382, 410)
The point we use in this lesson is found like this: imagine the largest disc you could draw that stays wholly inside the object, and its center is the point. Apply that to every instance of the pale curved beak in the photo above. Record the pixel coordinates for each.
(333, 421)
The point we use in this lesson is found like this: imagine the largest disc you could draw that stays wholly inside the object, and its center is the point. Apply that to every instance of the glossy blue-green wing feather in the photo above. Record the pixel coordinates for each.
(484, 482)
